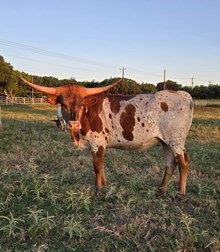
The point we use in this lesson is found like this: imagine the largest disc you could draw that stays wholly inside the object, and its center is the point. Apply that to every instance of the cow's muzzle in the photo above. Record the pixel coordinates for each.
(74, 126)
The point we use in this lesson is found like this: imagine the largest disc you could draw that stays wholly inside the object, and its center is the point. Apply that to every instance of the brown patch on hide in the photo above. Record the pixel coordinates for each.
(127, 122)
(91, 119)
(115, 106)
(164, 106)
(96, 125)
(115, 101)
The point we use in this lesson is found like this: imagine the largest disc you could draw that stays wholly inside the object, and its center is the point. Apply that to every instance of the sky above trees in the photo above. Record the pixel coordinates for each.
(94, 40)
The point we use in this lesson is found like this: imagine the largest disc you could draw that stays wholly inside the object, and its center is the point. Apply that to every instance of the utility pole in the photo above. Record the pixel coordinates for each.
(192, 82)
(123, 72)
(164, 79)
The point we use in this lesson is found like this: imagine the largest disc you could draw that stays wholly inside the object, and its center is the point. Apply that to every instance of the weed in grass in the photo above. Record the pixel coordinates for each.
(10, 225)
(73, 227)
(77, 201)
(187, 220)
(40, 221)
(38, 191)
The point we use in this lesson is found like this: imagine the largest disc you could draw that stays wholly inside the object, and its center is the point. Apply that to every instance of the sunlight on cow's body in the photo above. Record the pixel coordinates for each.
(97, 121)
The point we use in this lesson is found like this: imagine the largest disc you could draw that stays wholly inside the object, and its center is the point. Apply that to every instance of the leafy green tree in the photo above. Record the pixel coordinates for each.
(188, 89)
(214, 91)
(172, 85)
(148, 88)
(6, 77)
(11, 85)
(89, 84)
(126, 87)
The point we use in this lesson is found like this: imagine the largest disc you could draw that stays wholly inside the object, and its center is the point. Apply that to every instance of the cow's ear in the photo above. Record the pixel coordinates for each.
(90, 101)
(53, 99)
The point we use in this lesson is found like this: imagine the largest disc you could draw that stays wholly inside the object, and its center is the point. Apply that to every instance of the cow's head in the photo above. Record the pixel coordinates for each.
(71, 98)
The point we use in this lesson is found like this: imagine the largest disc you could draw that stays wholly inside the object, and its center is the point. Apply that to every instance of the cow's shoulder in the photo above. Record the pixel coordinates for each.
(94, 101)
(115, 101)
(91, 119)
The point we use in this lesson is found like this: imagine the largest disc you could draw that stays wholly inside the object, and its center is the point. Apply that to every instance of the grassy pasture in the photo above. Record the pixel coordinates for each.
(47, 199)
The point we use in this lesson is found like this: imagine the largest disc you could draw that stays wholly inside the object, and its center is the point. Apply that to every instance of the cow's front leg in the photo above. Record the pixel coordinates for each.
(98, 163)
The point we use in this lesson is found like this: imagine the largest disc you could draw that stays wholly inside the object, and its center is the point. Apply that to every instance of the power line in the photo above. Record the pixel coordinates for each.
(44, 52)
(51, 53)
(53, 64)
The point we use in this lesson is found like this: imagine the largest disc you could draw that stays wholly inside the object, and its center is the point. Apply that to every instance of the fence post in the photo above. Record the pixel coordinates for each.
(23, 100)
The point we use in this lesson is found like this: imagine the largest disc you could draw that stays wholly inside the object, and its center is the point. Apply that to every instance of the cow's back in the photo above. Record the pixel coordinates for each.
(139, 119)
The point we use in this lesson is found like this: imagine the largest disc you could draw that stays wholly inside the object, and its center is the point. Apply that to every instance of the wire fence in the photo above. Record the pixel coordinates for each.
(4, 100)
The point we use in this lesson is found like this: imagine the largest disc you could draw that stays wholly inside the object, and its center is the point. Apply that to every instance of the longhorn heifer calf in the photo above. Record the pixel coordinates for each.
(61, 123)
(61, 119)
(98, 121)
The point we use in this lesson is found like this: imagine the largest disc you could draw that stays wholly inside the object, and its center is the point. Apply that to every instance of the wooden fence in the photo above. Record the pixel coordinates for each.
(21, 100)
(202, 103)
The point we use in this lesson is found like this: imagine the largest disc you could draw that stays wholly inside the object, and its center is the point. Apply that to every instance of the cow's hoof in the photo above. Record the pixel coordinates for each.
(160, 192)
(178, 197)
(97, 191)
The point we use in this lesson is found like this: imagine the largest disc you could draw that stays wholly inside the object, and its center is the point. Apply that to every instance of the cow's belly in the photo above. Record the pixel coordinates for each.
(134, 145)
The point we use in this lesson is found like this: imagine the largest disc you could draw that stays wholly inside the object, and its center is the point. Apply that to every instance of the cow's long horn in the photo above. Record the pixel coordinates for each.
(93, 91)
(47, 90)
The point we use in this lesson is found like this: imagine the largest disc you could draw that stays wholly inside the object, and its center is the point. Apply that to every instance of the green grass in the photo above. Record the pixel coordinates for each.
(48, 200)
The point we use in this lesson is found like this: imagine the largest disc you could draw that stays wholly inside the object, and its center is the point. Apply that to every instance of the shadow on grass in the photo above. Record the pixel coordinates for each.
(206, 121)
(30, 109)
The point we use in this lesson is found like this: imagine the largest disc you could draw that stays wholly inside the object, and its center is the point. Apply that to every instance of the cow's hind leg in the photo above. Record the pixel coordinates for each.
(183, 163)
(98, 163)
(170, 165)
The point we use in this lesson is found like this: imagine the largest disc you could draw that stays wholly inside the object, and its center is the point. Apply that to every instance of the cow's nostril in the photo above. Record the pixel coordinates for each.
(74, 125)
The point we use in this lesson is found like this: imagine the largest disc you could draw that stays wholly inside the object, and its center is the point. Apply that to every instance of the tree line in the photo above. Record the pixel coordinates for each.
(11, 85)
